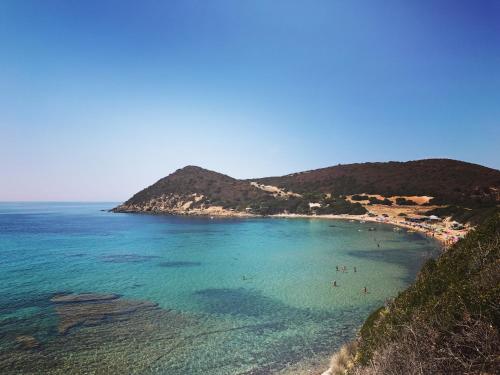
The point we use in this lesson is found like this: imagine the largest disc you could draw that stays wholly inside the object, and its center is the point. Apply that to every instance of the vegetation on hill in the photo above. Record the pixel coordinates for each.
(473, 215)
(404, 202)
(448, 321)
(217, 188)
(323, 191)
(375, 200)
(448, 181)
(220, 190)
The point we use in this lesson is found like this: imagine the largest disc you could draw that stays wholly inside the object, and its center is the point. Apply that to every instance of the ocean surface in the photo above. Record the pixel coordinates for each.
(190, 295)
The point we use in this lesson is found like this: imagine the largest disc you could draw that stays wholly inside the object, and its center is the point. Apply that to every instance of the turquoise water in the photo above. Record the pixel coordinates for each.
(234, 296)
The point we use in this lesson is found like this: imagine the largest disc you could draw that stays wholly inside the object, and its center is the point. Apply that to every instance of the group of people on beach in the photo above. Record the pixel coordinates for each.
(344, 269)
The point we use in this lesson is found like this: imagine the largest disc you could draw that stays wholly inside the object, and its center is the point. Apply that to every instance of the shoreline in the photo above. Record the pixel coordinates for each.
(441, 231)
(444, 241)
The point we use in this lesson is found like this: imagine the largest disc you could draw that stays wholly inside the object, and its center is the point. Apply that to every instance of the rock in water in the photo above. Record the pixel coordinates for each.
(27, 342)
(84, 297)
(93, 309)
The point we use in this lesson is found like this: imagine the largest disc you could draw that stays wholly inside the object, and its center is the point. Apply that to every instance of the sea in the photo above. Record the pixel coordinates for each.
(87, 291)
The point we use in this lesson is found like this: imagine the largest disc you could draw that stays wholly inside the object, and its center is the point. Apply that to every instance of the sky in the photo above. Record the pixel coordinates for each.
(99, 99)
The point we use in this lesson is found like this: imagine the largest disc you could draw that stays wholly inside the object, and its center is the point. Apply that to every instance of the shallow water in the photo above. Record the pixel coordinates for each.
(234, 296)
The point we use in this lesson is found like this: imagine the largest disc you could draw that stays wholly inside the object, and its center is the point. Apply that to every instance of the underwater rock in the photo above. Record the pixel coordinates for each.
(92, 309)
(179, 264)
(127, 258)
(27, 342)
(84, 297)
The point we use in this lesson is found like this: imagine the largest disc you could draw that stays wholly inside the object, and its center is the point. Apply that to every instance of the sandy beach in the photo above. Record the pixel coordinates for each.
(440, 230)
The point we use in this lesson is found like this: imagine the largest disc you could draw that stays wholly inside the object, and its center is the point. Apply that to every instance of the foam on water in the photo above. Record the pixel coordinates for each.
(235, 295)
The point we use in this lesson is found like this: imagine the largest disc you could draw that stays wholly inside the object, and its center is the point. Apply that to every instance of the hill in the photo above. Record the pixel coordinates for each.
(194, 190)
(196, 185)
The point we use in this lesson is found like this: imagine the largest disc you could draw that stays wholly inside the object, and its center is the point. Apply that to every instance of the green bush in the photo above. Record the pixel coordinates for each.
(404, 202)
(385, 201)
(357, 197)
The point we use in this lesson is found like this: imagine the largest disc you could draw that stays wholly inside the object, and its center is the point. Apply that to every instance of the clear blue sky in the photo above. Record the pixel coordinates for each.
(101, 98)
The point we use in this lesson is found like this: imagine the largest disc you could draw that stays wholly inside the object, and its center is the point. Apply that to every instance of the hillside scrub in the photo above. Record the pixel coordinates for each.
(471, 187)
(400, 201)
(448, 321)
(448, 181)
(474, 215)
(375, 200)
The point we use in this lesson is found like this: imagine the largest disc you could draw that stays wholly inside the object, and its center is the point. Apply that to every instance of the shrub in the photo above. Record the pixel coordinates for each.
(358, 197)
(385, 201)
(404, 202)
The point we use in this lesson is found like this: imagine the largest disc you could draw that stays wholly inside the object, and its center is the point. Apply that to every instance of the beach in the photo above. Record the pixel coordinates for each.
(441, 231)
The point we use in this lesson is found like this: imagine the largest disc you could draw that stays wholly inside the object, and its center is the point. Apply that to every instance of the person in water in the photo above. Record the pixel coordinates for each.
(365, 290)
(334, 283)
(355, 270)
(337, 267)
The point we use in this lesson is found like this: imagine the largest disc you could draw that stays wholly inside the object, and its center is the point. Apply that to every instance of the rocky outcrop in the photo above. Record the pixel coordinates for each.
(27, 342)
(176, 204)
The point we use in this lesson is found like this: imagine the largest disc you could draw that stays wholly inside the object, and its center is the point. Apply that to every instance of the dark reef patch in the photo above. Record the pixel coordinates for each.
(179, 264)
(83, 297)
(91, 309)
(101, 334)
(250, 303)
(11, 302)
(127, 258)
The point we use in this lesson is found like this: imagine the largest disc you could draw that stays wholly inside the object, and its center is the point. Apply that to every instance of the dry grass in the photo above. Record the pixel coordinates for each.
(472, 348)
(343, 360)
